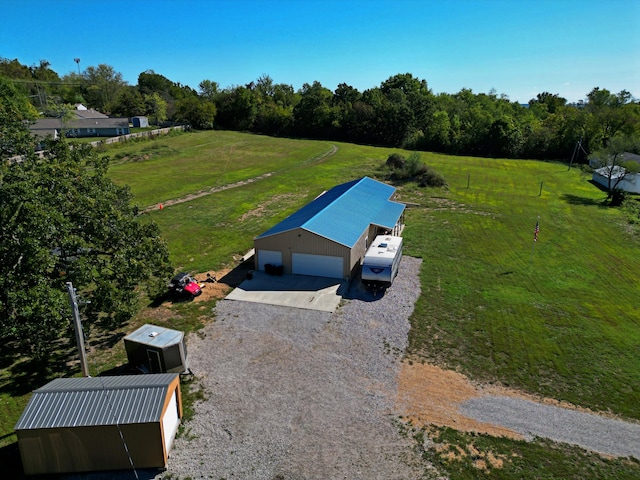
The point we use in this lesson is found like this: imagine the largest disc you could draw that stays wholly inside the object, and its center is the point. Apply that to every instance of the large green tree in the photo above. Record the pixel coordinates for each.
(15, 109)
(197, 112)
(156, 107)
(102, 84)
(63, 220)
(614, 164)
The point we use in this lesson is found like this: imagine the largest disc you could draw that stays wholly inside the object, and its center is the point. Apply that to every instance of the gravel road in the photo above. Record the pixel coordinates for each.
(593, 432)
(302, 394)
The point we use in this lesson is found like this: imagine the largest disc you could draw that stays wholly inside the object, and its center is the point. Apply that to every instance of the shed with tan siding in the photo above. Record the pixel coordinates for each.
(84, 424)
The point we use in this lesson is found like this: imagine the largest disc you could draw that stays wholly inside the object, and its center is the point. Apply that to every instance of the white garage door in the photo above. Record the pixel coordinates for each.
(170, 422)
(269, 256)
(317, 265)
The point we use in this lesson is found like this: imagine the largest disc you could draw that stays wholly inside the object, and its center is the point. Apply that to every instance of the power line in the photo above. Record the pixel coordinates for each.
(81, 337)
(43, 82)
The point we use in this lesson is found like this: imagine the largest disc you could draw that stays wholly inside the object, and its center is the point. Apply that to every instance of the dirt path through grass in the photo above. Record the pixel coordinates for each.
(202, 193)
(187, 198)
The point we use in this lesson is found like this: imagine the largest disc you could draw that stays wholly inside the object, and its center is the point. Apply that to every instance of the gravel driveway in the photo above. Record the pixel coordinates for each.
(593, 432)
(295, 394)
(302, 394)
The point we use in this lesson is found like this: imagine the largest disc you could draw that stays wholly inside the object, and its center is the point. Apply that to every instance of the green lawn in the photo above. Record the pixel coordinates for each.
(559, 318)
(172, 167)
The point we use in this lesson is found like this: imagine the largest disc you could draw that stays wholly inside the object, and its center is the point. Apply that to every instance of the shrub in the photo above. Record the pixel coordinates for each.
(431, 179)
(395, 161)
(413, 168)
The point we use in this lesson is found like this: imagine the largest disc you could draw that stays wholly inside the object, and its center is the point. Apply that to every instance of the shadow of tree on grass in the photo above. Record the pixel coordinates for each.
(28, 374)
(577, 200)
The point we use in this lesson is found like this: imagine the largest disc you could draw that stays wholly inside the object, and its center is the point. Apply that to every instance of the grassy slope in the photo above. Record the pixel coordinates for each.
(560, 320)
(173, 167)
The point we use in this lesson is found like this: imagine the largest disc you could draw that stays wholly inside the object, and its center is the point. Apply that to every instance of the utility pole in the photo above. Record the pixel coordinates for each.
(578, 144)
(78, 328)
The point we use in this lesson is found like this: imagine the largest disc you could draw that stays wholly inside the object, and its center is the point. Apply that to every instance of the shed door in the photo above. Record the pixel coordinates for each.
(170, 422)
(154, 361)
(269, 256)
(317, 265)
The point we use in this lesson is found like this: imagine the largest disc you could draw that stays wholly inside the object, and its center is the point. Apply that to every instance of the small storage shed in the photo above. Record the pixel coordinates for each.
(88, 424)
(140, 122)
(157, 349)
(329, 236)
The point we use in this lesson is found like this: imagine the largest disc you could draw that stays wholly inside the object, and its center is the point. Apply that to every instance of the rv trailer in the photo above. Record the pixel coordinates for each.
(381, 262)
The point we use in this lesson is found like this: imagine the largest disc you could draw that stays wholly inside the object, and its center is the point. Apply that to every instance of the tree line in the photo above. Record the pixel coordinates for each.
(401, 112)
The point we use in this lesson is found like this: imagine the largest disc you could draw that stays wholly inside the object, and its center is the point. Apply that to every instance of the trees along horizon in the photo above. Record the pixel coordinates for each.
(401, 112)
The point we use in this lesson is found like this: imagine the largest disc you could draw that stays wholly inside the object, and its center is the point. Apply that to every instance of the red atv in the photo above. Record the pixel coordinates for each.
(185, 285)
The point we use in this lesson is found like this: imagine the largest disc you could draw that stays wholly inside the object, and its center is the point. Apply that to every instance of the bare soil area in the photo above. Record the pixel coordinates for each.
(427, 394)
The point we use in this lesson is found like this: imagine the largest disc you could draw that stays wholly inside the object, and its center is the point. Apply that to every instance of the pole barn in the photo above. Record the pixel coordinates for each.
(329, 236)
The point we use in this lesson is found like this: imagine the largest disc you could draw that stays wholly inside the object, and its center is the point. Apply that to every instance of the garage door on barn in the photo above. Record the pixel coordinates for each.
(272, 257)
(317, 265)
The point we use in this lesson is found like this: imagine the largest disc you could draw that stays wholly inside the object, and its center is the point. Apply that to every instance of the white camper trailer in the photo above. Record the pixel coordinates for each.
(381, 262)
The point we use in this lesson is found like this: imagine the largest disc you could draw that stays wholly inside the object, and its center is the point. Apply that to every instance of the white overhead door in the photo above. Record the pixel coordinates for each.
(317, 265)
(271, 257)
(170, 422)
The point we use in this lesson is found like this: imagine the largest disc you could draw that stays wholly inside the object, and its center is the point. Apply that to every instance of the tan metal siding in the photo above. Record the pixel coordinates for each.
(303, 241)
(84, 449)
(359, 249)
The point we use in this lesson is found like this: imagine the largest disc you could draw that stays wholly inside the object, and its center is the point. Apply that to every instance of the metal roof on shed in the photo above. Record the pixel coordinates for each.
(93, 401)
(344, 212)
(155, 336)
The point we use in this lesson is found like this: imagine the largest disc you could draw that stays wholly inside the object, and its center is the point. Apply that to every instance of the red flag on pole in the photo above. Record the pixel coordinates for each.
(536, 231)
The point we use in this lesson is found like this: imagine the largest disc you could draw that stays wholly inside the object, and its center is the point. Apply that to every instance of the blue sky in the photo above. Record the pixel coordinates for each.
(518, 47)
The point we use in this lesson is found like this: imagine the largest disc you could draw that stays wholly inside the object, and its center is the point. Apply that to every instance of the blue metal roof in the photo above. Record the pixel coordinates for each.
(92, 401)
(343, 213)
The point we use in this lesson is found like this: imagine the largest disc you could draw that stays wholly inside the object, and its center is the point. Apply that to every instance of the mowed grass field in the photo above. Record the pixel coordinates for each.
(559, 317)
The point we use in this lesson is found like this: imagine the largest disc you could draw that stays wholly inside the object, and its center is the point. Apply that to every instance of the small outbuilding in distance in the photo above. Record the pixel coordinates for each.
(100, 423)
(329, 236)
(140, 122)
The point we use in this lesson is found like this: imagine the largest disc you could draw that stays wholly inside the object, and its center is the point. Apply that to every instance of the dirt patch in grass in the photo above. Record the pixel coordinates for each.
(481, 460)
(216, 290)
(264, 207)
(430, 395)
(213, 290)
